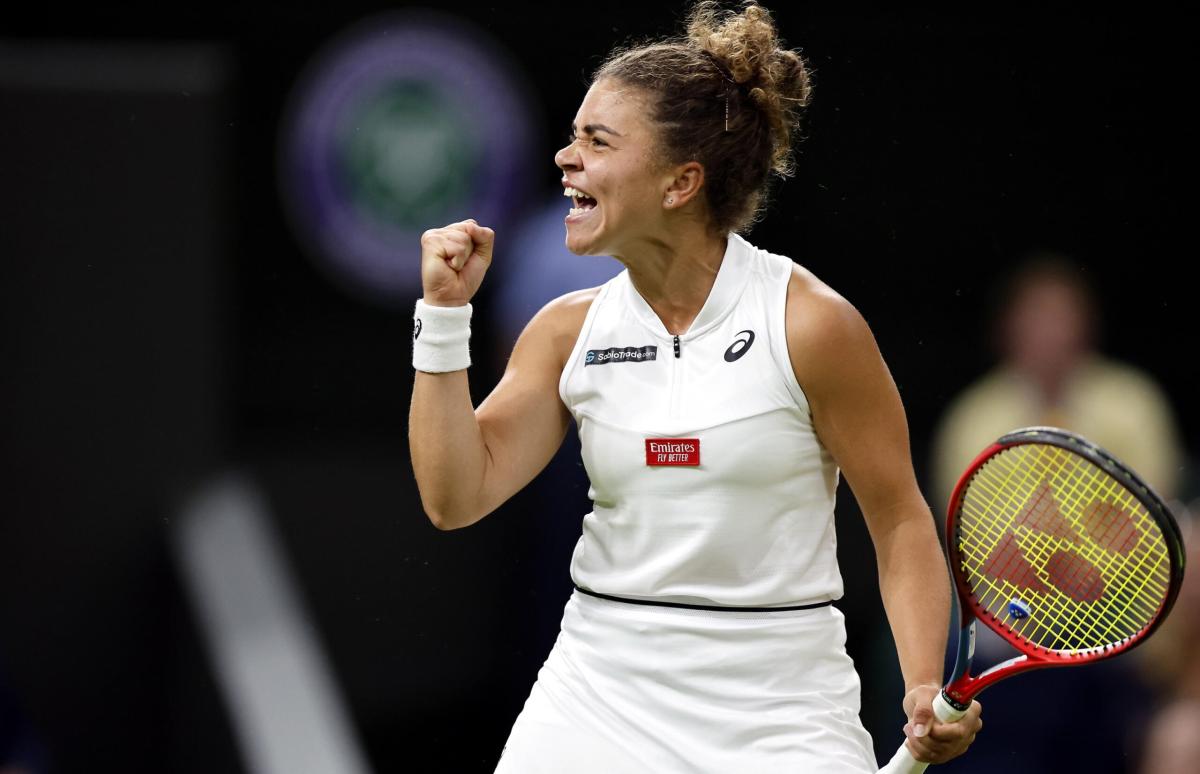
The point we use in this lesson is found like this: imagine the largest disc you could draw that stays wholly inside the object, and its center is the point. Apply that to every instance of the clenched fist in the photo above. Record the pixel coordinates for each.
(453, 261)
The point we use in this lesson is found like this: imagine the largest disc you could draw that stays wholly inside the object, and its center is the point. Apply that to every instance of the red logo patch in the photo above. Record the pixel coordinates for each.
(672, 451)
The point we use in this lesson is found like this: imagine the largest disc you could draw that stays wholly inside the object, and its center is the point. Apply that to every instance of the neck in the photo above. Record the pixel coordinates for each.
(675, 275)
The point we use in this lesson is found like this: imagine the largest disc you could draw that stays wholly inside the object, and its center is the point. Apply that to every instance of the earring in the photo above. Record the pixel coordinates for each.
(670, 201)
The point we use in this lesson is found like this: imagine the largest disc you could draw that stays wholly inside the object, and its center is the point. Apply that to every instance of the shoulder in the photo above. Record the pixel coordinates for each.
(556, 326)
(566, 313)
(1120, 374)
(1121, 383)
(1000, 383)
(822, 327)
(989, 406)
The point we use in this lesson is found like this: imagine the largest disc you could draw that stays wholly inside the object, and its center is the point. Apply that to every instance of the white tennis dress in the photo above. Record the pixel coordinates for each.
(700, 638)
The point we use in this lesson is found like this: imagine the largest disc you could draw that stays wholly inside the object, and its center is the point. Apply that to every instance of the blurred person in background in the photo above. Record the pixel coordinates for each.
(1050, 373)
(701, 635)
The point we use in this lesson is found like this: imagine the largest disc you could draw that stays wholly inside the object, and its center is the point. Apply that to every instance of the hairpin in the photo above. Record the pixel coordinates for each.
(727, 76)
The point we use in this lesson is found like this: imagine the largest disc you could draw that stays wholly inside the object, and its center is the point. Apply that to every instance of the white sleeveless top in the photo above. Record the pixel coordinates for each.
(752, 523)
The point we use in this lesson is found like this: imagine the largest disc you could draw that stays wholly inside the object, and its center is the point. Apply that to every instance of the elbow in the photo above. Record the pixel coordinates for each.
(446, 519)
(448, 508)
(442, 522)
(437, 520)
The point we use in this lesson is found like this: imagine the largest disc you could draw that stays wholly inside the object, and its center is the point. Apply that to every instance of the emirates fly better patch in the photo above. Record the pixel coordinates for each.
(672, 451)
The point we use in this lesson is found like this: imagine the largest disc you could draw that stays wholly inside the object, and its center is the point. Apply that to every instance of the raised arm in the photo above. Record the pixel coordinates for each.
(858, 416)
(468, 461)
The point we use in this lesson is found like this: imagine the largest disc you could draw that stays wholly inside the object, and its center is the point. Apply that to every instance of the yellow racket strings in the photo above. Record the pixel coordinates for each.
(1048, 531)
(1086, 564)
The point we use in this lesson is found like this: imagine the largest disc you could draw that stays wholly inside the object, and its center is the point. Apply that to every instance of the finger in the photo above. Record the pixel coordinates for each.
(475, 230)
(969, 724)
(922, 717)
(484, 238)
(952, 732)
(436, 241)
(481, 237)
(478, 232)
(922, 751)
(925, 749)
(462, 225)
(457, 247)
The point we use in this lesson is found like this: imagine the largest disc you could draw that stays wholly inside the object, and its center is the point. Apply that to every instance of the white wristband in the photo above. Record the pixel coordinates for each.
(440, 336)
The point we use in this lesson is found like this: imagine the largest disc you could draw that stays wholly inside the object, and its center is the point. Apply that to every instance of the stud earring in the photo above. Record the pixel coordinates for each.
(670, 201)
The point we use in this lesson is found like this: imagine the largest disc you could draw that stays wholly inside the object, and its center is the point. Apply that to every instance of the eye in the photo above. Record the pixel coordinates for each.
(594, 141)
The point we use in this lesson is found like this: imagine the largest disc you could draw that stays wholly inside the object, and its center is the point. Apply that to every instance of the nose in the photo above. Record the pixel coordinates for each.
(567, 158)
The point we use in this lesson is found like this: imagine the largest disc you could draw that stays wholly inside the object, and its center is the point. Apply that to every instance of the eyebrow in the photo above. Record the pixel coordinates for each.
(593, 128)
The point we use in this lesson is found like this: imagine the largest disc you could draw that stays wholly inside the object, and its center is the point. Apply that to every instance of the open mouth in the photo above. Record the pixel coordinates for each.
(581, 199)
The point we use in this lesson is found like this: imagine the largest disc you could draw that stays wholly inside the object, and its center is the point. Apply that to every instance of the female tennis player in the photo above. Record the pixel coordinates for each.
(718, 390)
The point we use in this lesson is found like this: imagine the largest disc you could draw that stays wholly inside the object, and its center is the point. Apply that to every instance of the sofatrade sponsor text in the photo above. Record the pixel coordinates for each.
(621, 355)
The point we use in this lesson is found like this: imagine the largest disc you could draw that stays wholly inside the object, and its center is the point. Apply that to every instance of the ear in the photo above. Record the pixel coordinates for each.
(684, 185)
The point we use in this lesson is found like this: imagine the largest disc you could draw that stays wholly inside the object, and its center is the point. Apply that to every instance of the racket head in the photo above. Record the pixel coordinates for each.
(1061, 549)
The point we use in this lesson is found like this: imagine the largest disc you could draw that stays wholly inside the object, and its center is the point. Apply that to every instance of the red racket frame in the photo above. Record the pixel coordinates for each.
(963, 686)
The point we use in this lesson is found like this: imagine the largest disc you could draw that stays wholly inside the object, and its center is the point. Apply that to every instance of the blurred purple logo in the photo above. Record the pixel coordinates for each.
(405, 122)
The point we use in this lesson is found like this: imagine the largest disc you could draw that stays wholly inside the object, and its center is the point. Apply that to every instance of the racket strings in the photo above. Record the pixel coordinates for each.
(1057, 565)
(1058, 551)
(1079, 578)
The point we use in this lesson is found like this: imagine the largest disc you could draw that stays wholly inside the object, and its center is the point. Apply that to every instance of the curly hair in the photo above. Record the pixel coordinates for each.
(726, 95)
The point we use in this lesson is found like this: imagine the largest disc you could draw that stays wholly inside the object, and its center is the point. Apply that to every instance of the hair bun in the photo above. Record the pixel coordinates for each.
(746, 45)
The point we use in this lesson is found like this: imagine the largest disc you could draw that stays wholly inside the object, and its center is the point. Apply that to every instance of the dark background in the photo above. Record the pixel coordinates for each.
(163, 324)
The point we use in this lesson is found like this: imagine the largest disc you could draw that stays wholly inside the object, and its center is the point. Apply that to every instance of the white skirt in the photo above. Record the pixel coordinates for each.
(637, 688)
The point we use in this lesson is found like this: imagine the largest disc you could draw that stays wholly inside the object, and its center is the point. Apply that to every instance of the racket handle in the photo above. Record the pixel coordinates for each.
(944, 710)
(903, 761)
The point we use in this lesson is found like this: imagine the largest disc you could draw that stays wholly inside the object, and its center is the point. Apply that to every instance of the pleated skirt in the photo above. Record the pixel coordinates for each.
(632, 688)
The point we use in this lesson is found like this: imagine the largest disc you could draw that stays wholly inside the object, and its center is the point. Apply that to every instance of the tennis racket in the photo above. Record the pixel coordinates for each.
(1061, 550)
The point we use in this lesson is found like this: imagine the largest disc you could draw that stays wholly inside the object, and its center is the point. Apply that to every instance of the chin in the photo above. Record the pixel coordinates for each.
(583, 245)
(581, 249)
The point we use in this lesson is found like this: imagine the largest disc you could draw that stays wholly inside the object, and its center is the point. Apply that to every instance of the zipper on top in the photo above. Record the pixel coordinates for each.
(676, 379)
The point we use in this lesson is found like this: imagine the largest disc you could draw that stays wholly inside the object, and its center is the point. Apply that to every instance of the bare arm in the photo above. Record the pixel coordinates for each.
(858, 416)
(469, 461)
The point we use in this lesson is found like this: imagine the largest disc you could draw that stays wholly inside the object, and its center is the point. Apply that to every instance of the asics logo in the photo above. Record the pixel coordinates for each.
(741, 344)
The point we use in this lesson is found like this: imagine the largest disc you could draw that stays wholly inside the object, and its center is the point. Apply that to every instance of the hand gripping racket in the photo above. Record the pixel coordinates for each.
(1061, 550)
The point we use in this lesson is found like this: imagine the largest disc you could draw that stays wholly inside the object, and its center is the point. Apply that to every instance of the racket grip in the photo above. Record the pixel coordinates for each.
(946, 712)
(903, 761)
